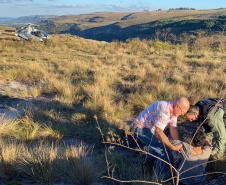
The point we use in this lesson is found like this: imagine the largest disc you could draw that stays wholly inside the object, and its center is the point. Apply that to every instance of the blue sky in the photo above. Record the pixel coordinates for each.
(17, 8)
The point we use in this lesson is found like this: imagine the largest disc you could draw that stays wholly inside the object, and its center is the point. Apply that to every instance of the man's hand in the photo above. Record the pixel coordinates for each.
(208, 145)
(159, 134)
(177, 148)
(207, 142)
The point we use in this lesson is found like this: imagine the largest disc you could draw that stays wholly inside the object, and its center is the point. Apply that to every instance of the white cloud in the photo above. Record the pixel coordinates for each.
(132, 7)
(69, 6)
(119, 6)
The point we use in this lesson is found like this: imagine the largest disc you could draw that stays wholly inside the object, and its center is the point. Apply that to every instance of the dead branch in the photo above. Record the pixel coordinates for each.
(139, 181)
(138, 150)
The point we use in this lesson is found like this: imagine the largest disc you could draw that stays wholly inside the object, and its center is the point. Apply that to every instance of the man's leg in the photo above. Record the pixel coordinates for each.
(162, 169)
(219, 134)
(219, 138)
(146, 138)
(144, 135)
(161, 152)
(156, 148)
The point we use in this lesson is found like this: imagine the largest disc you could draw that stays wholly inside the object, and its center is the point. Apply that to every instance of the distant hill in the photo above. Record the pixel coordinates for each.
(16, 22)
(108, 26)
(6, 18)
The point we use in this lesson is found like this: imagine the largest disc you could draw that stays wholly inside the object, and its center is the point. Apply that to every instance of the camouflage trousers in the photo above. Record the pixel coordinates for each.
(217, 135)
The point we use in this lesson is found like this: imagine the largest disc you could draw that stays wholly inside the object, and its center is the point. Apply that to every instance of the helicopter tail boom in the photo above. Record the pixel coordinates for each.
(3, 32)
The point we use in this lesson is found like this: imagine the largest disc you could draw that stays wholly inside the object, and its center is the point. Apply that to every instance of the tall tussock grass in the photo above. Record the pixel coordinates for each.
(115, 81)
(46, 162)
(10, 157)
(26, 130)
(81, 169)
(38, 163)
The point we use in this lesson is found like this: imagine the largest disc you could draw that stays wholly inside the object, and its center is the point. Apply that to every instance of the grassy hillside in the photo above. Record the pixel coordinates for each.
(88, 59)
(114, 81)
(134, 18)
(7, 28)
(121, 26)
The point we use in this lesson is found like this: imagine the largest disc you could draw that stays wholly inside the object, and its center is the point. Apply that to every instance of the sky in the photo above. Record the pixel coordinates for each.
(18, 8)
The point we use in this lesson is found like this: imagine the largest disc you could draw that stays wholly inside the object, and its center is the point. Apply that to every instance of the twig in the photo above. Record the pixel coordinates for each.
(203, 175)
(113, 171)
(185, 158)
(98, 127)
(171, 170)
(138, 181)
(156, 177)
(138, 150)
(106, 159)
(194, 176)
(201, 164)
(132, 135)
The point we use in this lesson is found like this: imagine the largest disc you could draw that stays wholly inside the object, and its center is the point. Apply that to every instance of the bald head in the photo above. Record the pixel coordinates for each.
(181, 106)
(182, 101)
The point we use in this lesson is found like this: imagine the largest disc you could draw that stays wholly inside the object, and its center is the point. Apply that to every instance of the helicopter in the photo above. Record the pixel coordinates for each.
(28, 32)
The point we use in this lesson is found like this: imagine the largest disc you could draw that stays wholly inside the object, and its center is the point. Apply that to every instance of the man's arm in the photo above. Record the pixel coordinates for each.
(159, 134)
(208, 145)
(174, 133)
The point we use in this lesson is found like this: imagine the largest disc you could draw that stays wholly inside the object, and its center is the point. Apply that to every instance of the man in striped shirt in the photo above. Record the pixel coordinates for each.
(149, 127)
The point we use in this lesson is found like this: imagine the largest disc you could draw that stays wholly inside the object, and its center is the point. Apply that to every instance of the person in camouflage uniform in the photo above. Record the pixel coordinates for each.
(211, 114)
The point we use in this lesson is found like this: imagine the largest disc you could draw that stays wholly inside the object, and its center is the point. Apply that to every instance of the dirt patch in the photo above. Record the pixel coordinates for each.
(19, 89)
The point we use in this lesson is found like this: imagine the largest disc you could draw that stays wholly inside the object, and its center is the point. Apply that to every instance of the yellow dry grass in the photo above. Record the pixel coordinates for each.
(108, 74)
(7, 28)
(115, 81)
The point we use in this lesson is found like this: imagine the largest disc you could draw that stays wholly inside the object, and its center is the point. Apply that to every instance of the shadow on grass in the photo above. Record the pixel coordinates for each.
(76, 124)
(70, 121)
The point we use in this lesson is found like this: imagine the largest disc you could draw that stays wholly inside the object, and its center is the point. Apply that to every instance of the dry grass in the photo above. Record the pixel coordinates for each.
(45, 162)
(7, 28)
(104, 77)
(80, 166)
(26, 130)
(115, 81)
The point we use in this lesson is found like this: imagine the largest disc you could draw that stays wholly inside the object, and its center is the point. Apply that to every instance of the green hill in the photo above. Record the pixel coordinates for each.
(108, 26)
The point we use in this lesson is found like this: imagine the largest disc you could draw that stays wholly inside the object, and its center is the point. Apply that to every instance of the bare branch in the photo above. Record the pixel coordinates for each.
(203, 175)
(142, 151)
(193, 176)
(170, 165)
(106, 158)
(202, 164)
(138, 181)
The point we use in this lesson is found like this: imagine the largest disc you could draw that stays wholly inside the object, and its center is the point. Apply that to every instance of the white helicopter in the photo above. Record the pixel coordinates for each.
(28, 32)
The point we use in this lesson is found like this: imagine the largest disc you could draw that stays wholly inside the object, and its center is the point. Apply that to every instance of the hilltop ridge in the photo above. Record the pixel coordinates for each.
(108, 26)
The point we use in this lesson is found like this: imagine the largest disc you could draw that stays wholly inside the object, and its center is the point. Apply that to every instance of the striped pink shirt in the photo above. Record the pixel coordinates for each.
(158, 114)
